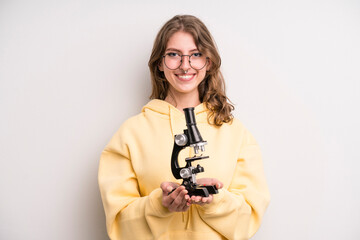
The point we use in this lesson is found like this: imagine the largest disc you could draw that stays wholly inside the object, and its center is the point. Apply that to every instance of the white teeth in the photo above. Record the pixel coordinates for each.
(185, 77)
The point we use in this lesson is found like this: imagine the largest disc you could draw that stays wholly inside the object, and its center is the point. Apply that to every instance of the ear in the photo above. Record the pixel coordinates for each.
(160, 66)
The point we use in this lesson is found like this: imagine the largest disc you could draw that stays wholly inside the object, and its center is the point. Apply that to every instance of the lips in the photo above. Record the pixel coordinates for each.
(185, 77)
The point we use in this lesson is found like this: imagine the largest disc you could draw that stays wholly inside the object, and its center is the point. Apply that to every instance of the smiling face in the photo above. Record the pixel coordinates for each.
(184, 80)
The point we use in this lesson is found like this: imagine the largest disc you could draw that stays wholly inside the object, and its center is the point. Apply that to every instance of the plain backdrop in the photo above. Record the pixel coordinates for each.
(72, 71)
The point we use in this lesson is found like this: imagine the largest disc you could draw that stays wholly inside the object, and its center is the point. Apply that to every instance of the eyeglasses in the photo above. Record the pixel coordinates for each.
(174, 60)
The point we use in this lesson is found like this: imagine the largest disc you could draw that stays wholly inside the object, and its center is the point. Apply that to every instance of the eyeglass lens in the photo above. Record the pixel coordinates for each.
(173, 61)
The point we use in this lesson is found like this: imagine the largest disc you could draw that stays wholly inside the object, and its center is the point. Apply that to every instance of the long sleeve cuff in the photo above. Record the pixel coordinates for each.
(155, 198)
(215, 205)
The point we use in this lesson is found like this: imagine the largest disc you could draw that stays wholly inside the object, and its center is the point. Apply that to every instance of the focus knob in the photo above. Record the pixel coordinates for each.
(181, 139)
(185, 173)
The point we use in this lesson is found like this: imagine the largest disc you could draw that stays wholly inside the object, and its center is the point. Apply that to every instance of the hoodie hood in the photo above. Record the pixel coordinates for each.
(174, 115)
(166, 109)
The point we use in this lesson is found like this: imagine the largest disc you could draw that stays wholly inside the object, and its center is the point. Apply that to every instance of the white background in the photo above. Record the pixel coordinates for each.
(72, 71)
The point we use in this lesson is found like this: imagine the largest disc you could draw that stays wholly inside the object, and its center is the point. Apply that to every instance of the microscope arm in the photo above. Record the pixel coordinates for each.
(175, 168)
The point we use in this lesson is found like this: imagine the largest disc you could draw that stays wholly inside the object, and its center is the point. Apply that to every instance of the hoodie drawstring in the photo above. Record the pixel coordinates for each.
(171, 121)
(185, 219)
(188, 218)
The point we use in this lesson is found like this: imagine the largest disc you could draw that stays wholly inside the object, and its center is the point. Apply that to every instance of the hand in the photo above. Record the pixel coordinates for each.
(176, 201)
(206, 182)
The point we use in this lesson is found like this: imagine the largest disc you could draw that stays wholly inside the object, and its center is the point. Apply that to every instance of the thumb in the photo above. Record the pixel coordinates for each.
(168, 186)
(219, 185)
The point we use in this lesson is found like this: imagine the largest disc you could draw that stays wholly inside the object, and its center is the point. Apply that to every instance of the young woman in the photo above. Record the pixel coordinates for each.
(142, 199)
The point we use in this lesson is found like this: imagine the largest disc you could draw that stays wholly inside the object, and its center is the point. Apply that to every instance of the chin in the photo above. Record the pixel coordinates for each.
(186, 90)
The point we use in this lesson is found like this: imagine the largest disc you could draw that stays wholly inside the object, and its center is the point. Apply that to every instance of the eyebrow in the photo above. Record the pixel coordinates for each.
(177, 50)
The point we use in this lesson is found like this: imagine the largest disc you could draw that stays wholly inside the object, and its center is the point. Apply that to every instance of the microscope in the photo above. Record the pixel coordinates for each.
(190, 138)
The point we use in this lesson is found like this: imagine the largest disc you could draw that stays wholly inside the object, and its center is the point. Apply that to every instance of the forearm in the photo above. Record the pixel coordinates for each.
(128, 214)
(137, 218)
(242, 217)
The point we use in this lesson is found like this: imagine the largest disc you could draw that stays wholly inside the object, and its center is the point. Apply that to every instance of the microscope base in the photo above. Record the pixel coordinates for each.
(203, 191)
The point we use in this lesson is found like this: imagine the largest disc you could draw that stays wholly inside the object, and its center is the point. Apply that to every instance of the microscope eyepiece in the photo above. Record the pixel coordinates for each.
(194, 134)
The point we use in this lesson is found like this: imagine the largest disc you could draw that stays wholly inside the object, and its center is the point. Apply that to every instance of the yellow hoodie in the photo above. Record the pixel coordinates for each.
(137, 160)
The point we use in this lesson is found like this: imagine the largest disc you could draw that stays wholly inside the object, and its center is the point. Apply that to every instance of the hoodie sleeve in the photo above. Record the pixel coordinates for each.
(243, 204)
(128, 215)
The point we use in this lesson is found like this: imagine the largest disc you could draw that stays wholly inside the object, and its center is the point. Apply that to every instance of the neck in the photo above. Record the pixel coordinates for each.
(181, 101)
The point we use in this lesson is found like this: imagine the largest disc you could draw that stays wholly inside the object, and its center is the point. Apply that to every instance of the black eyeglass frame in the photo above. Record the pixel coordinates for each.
(181, 61)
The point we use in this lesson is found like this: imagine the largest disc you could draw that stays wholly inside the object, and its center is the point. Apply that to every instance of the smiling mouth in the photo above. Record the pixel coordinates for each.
(185, 77)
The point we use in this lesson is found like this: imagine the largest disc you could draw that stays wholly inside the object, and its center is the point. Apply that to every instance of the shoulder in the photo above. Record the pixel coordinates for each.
(239, 129)
(132, 121)
(235, 125)
(125, 134)
(131, 125)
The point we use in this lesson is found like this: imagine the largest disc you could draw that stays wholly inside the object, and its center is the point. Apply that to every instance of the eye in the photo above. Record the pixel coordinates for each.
(197, 55)
(172, 54)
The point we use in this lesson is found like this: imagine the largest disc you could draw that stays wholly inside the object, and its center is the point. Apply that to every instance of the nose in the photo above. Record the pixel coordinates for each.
(185, 63)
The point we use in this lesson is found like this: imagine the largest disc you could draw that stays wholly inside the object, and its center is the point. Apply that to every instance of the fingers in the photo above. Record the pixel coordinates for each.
(210, 181)
(176, 198)
(201, 200)
(181, 201)
(167, 187)
(176, 201)
(219, 185)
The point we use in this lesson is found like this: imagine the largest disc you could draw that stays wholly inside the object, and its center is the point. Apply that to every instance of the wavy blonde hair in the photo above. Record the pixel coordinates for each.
(212, 88)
